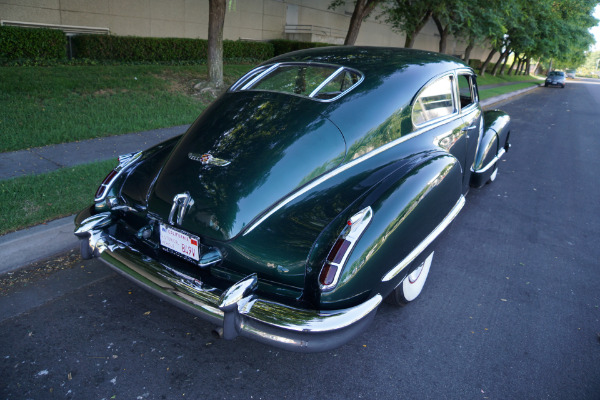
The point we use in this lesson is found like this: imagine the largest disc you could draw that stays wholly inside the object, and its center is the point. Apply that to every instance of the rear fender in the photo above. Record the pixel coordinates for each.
(407, 207)
(492, 146)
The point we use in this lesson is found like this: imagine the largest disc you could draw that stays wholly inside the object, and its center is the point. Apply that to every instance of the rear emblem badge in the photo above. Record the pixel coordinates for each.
(208, 159)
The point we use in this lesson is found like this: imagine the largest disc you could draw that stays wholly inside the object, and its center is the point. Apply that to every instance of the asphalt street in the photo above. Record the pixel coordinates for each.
(511, 308)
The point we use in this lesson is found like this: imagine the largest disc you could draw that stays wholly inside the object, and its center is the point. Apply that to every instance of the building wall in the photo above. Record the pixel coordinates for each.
(245, 19)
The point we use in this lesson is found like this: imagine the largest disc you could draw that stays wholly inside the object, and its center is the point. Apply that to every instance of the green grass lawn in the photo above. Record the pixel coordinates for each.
(488, 79)
(31, 200)
(48, 105)
(497, 91)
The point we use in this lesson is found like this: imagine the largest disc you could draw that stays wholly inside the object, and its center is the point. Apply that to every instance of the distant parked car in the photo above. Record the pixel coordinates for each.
(555, 78)
(311, 190)
(571, 73)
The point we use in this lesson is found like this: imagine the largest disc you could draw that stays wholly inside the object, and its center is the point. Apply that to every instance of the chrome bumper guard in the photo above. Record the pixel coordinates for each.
(237, 309)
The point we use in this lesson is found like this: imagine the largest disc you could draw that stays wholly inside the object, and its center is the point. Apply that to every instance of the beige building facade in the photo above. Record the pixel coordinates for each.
(307, 20)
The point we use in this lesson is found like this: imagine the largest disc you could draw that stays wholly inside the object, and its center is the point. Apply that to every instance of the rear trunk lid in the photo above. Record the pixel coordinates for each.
(245, 152)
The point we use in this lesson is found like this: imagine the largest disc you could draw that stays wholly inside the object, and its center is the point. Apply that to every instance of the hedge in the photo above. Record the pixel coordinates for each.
(282, 46)
(29, 43)
(132, 48)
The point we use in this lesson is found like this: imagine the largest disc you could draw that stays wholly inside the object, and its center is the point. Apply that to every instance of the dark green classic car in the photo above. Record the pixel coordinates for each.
(310, 191)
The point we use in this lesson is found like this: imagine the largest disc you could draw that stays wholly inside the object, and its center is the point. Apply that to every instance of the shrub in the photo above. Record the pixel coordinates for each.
(32, 43)
(131, 48)
(282, 46)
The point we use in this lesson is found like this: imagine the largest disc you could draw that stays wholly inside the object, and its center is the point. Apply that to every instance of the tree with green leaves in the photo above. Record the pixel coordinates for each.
(362, 9)
(407, 17)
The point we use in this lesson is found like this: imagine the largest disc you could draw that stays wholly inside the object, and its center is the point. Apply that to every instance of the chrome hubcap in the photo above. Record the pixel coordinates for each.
(412, 278)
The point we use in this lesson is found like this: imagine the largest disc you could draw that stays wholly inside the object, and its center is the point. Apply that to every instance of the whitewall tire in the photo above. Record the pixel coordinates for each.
(410, 288)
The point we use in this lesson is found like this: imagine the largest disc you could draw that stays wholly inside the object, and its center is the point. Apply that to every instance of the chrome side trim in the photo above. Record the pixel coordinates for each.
(125, 161)
(428, 240)
(311, 185)
(491, 163)
(326, 81)
(354, 229)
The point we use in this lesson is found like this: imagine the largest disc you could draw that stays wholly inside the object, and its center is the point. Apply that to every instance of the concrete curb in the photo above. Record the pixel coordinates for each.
(24, 247)
(29, 245)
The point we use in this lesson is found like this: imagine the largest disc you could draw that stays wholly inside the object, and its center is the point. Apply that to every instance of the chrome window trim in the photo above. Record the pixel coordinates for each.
(326, 81)
(474, 97)
(242, 84)
(455, 104)
(262, 74)
(311, 185)
(427, 241)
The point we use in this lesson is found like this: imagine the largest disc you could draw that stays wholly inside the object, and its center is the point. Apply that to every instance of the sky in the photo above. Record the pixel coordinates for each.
(596, 30)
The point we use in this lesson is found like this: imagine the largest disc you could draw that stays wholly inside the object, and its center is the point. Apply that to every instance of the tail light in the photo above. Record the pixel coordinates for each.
(124, 161)
(334, 263)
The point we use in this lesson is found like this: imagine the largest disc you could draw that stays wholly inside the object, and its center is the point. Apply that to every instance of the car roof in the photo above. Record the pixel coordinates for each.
(370, 60)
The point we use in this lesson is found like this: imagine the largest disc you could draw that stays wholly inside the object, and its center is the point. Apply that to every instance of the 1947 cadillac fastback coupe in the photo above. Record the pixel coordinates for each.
(311, 190)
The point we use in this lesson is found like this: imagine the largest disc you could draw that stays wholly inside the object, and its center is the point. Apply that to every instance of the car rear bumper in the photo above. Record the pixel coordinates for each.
(237, 310)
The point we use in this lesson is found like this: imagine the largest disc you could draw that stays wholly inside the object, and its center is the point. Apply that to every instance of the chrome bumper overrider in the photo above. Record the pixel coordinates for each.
(237, 309)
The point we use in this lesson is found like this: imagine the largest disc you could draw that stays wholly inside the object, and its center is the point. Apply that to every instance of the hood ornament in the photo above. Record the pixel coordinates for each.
(181, 203)
(208, 159)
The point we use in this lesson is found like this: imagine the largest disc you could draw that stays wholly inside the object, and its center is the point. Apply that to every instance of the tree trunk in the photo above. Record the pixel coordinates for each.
(499, 62)
(468, 51)
(550, 66)
(216, 21)
(361, 10)
(521, 66)
(528, 66)
(487, 61)
(537, 66)
(504, 63)
(409, 42)
(443, 34)
(516, 61)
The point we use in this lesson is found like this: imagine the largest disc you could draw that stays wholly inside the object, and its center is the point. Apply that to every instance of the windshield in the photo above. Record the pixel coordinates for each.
(556, 73)
(317, 81)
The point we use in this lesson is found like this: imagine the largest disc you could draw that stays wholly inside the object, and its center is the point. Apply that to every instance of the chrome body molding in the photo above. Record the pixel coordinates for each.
(125, 160)
(237, 309)
(311, 185)
(351, 233)
(491, 163)
(427, 241)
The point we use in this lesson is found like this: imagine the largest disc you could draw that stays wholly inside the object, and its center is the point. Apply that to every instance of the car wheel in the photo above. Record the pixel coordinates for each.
(545, 85)
(563, 86)
(411, 286)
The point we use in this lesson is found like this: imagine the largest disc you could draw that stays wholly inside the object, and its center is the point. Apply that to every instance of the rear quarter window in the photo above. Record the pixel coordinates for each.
(316, 81)
(435, 101)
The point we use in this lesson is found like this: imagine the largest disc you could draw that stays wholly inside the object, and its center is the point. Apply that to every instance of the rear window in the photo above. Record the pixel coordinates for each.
(317, 81)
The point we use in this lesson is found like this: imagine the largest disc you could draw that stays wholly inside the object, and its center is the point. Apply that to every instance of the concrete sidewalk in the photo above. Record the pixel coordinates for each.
(40, 160)
(24, 247)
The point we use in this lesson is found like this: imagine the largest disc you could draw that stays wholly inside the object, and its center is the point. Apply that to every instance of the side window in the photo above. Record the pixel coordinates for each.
(464, 91)
(434, 102)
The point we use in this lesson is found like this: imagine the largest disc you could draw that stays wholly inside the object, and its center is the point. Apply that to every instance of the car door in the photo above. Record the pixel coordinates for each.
(471, 115)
